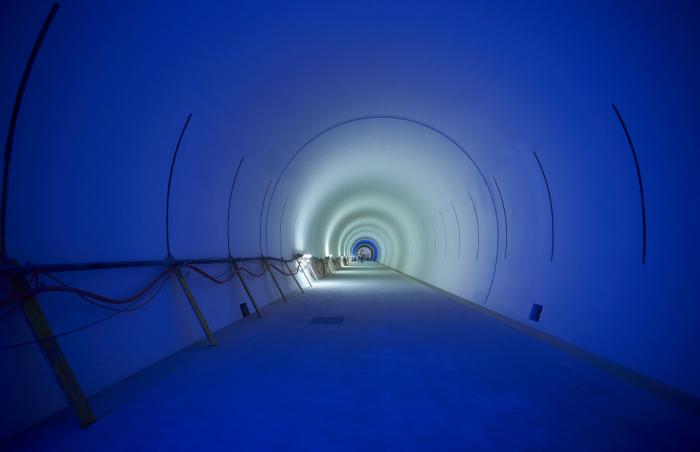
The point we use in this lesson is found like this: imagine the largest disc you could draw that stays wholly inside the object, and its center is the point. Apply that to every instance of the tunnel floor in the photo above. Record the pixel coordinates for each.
(407, 368)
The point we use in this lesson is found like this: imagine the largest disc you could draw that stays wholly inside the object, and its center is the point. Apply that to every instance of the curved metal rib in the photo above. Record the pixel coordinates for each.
(639, 181)
(505, 218)
(13, 123)
(551, 208)
(170, 182)
(284, 207)
(262, 209)
(478, 232)
(444, 229)
(419, 123)
(459, 232)
(228, 214)
(294, 228)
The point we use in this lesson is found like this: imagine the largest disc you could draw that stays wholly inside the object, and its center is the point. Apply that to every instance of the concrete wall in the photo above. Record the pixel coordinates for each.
(114, 83)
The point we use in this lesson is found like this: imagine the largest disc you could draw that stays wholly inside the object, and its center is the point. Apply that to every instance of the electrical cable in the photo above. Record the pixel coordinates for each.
(133, 302)
(83, 297)
(282, 272)
(29, 293)
(210, 277)
(87, 325)
(251, 273)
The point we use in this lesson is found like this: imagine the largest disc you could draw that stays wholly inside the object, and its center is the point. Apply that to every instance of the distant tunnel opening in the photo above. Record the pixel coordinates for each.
(366, 248)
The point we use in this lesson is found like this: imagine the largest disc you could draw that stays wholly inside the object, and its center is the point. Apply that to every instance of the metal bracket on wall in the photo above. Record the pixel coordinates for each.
(301, 267)
(246, 288)
(292, 274)
(33, 314)
(195, 307)
(313, 272)
(272, 275)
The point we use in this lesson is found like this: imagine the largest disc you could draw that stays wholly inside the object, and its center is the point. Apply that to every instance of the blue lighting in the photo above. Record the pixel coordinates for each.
(523, 176)
(367, 242)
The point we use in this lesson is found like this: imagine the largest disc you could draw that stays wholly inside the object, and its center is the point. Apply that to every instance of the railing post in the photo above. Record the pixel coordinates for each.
(279, 289)
(246, 288)
(313, 271)
(301, 267)
(65, 378)
(292, 274)
(195, 307)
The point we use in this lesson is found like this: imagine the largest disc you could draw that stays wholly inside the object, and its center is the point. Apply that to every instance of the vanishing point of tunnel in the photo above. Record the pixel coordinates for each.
(349, 226)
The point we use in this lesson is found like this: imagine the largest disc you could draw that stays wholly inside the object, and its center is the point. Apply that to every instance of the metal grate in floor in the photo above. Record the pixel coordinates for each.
(327, 320)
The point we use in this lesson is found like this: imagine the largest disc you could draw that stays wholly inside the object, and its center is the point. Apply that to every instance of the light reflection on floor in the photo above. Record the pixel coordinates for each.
(407, 369)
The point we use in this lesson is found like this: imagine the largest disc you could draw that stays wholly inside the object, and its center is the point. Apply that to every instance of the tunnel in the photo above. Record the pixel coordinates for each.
(350, 225)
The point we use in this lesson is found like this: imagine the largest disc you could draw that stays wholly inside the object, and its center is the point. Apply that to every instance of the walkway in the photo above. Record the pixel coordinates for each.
(407, 369)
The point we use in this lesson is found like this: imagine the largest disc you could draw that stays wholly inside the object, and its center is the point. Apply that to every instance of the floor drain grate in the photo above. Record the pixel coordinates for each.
(327, 320)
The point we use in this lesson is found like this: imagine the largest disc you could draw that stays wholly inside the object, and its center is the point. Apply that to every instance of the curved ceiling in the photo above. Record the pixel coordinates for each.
(550, 216)
(387, 178)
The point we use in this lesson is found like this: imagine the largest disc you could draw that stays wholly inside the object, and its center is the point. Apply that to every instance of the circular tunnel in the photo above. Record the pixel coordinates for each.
(391, 179)
(365, 247)
(510, 155)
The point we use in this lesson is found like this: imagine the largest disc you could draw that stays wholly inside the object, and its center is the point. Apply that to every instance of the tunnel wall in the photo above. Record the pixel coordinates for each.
(113, 85)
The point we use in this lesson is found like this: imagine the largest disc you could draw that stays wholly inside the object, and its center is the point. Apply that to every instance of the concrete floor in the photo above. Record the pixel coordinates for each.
(407, 369)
